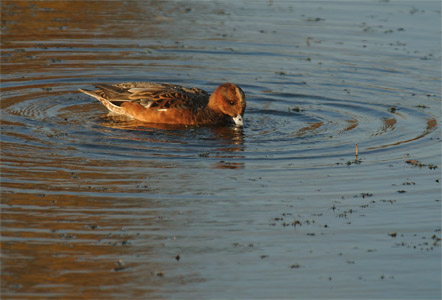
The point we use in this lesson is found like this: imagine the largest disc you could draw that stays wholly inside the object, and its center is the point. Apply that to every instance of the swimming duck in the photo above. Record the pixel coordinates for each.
(173, 104)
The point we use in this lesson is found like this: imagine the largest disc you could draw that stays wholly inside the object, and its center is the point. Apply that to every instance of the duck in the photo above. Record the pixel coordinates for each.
(166, 103)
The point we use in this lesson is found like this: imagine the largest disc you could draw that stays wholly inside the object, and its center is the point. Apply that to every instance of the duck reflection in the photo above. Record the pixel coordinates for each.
(227, 141)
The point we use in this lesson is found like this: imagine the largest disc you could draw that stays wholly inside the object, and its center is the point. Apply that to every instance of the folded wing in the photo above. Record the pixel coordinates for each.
(155, 96)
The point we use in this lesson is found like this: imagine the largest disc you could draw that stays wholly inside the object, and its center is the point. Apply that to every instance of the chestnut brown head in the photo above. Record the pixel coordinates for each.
(230, 100)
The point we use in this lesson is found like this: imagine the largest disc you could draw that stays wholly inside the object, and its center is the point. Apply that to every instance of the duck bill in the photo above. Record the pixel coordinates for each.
(238, 120)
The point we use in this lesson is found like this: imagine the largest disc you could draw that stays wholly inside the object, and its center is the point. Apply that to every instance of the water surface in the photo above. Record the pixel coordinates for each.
(93, 206)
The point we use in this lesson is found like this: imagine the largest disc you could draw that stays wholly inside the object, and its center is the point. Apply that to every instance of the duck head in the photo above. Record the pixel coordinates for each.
(229, 99)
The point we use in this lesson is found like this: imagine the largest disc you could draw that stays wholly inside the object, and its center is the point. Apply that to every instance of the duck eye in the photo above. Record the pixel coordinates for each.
(232, 102)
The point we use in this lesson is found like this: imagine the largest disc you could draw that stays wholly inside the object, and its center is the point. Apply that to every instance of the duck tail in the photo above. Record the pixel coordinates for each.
(108, 104)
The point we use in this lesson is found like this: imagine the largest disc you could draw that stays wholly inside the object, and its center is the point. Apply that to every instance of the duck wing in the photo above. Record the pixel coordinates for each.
(159, 96)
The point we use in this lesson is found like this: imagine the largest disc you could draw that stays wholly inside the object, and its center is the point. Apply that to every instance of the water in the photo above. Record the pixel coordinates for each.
(97, 207)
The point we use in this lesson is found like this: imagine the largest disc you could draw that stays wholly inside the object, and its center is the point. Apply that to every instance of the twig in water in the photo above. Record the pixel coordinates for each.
(356, 152)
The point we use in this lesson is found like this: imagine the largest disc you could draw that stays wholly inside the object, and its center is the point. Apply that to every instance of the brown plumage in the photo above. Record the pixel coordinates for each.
(173, 104)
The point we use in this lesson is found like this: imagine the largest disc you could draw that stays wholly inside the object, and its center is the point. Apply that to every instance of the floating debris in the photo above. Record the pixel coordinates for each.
(436, 239)
(204, 154)
(120, 266)
(159, 273)
(409, 183)
(351, 162)
(296, 109)
(315, 19)
(416, 163)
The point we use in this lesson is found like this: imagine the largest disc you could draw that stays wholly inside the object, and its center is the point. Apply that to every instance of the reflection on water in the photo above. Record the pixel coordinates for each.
(312, 127)
(99, 206)
(229, 135)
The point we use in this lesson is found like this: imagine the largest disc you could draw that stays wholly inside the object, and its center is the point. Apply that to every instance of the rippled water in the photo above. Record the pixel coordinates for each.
(98, 207)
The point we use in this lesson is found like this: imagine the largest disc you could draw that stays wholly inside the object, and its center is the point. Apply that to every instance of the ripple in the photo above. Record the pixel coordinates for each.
(279, 126)
(318, 127)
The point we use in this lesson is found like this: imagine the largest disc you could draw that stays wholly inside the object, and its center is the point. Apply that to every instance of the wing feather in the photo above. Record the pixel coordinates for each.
(154, 95)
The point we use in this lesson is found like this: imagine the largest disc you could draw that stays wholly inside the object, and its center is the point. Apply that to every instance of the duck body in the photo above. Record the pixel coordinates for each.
(173, 104)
